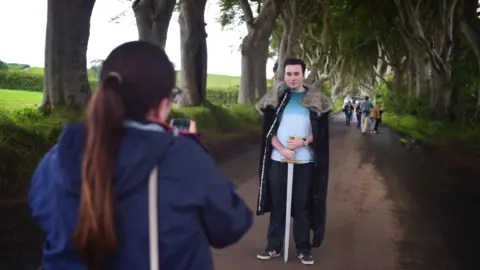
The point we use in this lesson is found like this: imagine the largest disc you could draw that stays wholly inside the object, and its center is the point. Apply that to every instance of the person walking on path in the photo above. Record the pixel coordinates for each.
(358, 114)
(365, 107)
(91, 193)
(294, 109)
(348, 110)
(376, 116)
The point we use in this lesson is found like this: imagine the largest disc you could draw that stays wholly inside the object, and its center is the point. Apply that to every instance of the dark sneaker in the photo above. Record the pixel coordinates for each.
(306, 258)
(268, 254)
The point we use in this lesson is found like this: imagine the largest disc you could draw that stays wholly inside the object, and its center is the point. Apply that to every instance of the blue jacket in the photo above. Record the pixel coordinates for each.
(198, 207)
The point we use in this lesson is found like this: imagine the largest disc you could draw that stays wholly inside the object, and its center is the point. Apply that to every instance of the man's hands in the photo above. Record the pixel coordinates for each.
(294, 143)
(287, 153)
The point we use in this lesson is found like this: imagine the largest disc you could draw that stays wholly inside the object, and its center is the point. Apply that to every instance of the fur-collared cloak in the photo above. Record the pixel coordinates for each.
(271, 106)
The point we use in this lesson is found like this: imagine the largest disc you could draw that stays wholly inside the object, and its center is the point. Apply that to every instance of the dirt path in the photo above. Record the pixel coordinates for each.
(371, 224)
(360, 224)
(382, 214)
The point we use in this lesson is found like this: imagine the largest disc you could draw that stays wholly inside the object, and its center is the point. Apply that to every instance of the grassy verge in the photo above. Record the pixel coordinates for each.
(26, 135)
(338, 105)
(11, 99)
(434, 132)
(33, 76)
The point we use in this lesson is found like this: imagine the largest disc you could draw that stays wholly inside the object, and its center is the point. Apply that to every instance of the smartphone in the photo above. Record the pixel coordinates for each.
(182, 124)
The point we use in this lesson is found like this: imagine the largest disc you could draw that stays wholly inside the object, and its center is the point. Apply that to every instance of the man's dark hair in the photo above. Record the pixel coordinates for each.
(366, 98)
(295, 61)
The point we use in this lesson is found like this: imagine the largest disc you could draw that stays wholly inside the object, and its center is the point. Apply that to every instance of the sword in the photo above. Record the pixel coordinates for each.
(286, 241)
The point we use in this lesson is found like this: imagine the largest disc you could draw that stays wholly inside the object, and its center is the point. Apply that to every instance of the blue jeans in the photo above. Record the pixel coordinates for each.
(348, 116)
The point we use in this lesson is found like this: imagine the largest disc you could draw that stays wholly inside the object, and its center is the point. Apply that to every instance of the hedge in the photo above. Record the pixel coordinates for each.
(26, 135)
(21, 80)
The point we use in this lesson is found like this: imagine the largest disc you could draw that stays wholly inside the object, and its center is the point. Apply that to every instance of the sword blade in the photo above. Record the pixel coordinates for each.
(288, 212)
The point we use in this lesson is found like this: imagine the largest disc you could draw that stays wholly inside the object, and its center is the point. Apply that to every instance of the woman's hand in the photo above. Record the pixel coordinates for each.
(193, 127)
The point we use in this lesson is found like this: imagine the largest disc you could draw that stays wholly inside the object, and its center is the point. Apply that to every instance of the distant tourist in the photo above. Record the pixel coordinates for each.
(358, 114)
(348, 110)
(365, 108)
(376, 116)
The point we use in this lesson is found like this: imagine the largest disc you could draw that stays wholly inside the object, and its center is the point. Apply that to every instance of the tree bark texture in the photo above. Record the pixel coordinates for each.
(253, 45)
(153, 19)
(67, 34)
(261, 70)
(423, 80)
(398, 79)
(412, 77)
(288, 40)
(470, 27)
(193, 39)
(440, 53)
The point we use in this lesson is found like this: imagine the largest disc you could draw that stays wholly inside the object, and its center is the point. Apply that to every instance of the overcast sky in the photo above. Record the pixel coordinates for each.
(23, 24)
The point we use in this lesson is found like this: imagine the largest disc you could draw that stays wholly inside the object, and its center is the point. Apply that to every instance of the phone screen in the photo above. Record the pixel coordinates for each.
(182, 124)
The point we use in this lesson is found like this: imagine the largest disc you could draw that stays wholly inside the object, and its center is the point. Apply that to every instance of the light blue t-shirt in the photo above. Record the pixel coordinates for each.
(295, 121)
(366, 106)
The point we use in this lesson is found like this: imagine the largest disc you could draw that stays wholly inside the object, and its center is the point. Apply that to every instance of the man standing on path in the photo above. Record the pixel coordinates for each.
(366, 107)
(294, 109)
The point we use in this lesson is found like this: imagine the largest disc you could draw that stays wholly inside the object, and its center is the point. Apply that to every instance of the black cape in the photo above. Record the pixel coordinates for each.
(271, 106)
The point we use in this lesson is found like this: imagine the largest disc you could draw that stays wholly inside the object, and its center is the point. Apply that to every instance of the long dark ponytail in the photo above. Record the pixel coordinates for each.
(135, 78)
(95, 235)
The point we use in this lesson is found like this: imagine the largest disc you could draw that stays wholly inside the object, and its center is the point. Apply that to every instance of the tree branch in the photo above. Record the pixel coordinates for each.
(247, 12)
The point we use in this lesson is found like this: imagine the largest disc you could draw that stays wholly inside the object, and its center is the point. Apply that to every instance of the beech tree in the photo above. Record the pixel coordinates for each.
(67, 35)
(255, 45)
(153, 19)
(193, 38)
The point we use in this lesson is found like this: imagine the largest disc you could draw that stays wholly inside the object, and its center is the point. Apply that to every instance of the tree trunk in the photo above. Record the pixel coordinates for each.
(412, 78)
(282, 51)
(287, 47)
(423, 84)
(399, 75)
(441, 87)
(380, 70)
(338, 86)
(261, 70)
(153, 18)
(258, 34)
(398, 79)
(470, 26)
(65, 75)
(247, 80)
(193, 39)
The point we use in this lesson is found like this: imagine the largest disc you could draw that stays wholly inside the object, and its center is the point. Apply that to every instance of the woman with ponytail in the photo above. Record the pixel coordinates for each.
(89, 194)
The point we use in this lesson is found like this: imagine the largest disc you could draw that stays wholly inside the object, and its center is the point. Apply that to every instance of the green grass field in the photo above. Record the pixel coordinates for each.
(213, 80)
(15, 99)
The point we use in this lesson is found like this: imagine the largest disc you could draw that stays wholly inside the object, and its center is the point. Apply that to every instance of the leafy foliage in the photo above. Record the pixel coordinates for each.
(3, 66)
(231, 15)
(26, 135)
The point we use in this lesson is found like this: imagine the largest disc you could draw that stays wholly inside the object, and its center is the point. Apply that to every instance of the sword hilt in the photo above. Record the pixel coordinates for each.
(294, 161)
